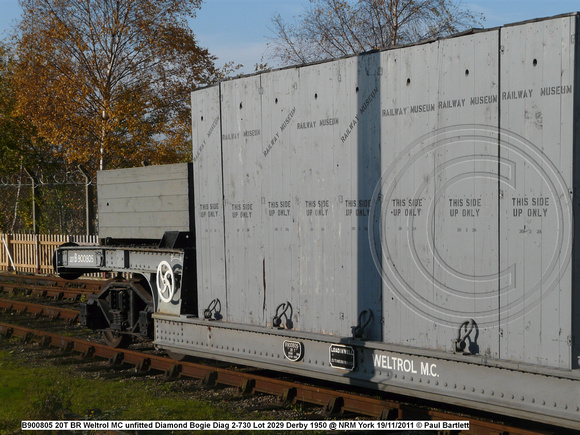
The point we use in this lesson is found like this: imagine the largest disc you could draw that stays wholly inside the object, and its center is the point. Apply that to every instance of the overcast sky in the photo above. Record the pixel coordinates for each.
(238, 30)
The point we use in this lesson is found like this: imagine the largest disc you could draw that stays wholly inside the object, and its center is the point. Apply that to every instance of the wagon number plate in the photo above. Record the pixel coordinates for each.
(84, 258)
(293, 350)
(341, 357)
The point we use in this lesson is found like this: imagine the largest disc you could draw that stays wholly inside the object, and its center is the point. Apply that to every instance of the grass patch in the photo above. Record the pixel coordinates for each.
(39, 390)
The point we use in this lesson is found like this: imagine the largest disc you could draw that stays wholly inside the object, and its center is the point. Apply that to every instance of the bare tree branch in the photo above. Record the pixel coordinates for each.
(334, 28)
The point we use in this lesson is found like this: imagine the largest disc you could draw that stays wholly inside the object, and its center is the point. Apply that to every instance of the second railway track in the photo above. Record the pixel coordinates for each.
(53, 312)
(48, 286)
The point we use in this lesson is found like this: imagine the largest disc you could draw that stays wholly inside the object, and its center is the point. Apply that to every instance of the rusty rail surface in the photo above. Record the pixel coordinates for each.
(48, 286)
(332, 400)
(20, 307)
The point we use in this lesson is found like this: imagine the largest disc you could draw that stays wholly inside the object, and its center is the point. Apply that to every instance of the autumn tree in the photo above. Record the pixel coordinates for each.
(20, 148)
(107, 82)
(19, 143)
(335, 28)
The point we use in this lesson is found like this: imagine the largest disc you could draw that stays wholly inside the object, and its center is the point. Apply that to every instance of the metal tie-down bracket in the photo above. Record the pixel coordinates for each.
(463, 334)
(364, 319)
(213, 309)
(283, 310)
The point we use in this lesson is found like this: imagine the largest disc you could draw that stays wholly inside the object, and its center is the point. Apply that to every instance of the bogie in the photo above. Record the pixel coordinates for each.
(121, 310)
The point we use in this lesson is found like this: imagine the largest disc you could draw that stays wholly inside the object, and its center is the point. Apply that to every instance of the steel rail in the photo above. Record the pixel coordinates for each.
(21, 307)
(247, 383)
(48, 286)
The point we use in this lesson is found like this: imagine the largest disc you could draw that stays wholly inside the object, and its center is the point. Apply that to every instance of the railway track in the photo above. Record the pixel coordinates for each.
(332, 402)
(53, 312)
(48, 286)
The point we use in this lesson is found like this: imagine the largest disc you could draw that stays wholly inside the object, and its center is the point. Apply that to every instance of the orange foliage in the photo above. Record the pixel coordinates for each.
(110, 79)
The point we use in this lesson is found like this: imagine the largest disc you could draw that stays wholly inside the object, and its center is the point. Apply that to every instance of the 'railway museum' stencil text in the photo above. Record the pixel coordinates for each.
(458, 103)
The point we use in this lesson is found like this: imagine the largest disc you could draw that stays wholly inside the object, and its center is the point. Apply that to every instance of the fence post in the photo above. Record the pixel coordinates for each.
(35, 210)
(37, 253)
(89, 211)
(8, 247)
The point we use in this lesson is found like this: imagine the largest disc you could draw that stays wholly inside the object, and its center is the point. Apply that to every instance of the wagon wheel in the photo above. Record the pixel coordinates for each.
(177, 356)
(116, 339)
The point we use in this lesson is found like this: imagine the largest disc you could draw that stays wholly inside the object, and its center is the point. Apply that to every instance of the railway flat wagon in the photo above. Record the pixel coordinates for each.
(402, 219)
